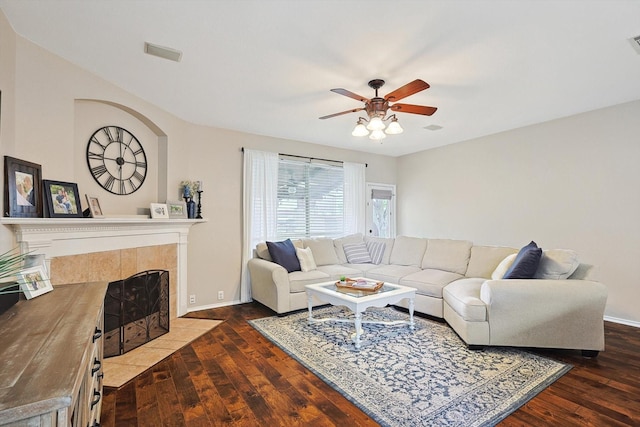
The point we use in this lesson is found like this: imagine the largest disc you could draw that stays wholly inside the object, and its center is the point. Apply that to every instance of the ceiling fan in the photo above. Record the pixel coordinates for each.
(377, 107)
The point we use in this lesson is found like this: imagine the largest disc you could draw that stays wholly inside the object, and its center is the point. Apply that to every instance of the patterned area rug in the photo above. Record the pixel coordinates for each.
(400, 377)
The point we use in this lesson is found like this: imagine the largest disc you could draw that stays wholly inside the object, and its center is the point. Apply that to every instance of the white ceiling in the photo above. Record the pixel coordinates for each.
(266, 66)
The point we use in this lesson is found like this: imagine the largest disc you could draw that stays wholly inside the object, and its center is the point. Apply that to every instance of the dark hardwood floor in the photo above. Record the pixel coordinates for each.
(234, 376)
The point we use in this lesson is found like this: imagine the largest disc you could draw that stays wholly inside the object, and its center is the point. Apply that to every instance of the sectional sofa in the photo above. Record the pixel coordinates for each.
(561, 307)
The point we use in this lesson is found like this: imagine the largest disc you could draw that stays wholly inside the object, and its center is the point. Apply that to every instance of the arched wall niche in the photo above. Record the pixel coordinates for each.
(90, 115)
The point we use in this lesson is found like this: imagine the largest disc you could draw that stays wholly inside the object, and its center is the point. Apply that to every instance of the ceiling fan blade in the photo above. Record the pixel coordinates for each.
(413, 109)
(350, 94)
(407, 90)
(341, 113)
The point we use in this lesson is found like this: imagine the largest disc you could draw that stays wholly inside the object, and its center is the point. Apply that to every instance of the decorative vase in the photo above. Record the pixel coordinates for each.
(8, 300)
(191, 209)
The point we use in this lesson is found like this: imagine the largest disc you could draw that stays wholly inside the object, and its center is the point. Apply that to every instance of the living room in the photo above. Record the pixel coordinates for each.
(565, 181)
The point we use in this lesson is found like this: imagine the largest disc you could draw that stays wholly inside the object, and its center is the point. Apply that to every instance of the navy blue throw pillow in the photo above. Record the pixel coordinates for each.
(284, 254)
(526, 263)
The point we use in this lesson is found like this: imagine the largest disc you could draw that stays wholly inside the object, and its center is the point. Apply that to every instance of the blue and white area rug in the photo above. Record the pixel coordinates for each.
(425, 377)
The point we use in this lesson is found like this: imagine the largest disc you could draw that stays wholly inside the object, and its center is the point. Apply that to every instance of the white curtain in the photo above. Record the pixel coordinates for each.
(260, 203)
(354, 198)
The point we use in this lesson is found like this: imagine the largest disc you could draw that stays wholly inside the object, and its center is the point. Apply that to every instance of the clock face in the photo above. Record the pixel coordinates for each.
(116, 160)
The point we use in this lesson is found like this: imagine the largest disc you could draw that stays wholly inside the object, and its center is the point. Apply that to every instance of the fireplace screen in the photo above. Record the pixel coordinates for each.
(136, 310)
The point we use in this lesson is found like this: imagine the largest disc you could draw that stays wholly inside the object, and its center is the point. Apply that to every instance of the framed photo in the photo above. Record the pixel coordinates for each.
(159, 211)
(177, 209)
(62, 199)
(94, 206)
(22, 188)
(34, 281)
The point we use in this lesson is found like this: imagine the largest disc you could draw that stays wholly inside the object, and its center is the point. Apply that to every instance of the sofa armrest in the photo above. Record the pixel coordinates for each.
(546, 313)
(269, 284)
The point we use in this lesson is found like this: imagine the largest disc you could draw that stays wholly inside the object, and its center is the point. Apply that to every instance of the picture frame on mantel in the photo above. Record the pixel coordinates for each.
(22, 188)
(62, 198)
(177, 209)
(159, 211)
(94, 206)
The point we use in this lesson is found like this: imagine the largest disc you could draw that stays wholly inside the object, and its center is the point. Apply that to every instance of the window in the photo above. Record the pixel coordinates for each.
(380, 210)
(310, 199)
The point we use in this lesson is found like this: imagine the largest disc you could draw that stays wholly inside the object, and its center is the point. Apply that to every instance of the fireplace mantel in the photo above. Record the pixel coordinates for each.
(57, 237)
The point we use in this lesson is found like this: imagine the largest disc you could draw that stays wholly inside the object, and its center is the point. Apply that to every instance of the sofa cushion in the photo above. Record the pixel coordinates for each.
(463, 296)
(485, 259)
(388, 246)
(408, 251)
(502, 268)
(284, 253)
(447, 255)
(323, 251)
(376, 251)
(299, 279)
(338, 245)
(430, 282)
(526, 263)
(305, 257)
(335, 271)
(390, 273)
(357, 253)
(557, 264)
(361, 267)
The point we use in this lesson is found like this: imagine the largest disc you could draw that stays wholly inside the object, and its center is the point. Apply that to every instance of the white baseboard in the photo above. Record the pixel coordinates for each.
(206, 307)
(622, 321)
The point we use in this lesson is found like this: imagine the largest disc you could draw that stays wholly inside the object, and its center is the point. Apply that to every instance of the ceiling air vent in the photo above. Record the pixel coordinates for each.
(162, 52)
(433, 127)
(635, 42)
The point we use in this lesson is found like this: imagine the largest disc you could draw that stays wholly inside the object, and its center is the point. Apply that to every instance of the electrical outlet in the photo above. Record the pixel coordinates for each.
(192, 299)
(220, 294)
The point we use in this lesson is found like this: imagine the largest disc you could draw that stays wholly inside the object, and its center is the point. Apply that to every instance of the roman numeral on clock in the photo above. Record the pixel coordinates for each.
(99, 170)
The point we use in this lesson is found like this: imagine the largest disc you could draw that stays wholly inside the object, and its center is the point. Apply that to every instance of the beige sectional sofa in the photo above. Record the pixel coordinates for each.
(453, 279)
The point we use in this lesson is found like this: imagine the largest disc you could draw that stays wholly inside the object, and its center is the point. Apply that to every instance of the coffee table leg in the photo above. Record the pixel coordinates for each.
(358, 324)
(412, 324)
(310, 304)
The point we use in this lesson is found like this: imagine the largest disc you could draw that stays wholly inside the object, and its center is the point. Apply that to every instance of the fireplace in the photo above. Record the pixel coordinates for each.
(108, 249)
(136, 311)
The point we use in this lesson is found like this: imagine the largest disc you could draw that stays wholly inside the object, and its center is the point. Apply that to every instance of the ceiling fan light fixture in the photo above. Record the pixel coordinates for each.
(360, 129)
(377, 135)
(394, 127)
(376, 123)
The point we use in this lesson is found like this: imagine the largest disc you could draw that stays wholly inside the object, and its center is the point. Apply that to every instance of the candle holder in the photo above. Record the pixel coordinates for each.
(199, 216)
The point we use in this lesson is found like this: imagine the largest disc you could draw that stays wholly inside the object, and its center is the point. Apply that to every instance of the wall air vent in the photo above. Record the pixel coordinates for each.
(162, 52)
(635, 42)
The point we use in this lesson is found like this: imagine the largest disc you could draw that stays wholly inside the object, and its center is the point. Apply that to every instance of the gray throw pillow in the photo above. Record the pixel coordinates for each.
(376, 251)
(357, 253)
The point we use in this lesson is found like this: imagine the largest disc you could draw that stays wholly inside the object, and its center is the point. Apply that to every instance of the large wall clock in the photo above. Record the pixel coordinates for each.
(116, 160)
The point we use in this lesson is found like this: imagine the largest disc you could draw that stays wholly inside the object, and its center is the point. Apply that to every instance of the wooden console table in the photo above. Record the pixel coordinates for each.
(51, 358)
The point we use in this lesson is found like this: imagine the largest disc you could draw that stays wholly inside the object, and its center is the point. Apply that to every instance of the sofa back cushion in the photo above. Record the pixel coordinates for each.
(447, 255)
(338, 245)
(323, 251)
(388, 247)
(485, 259)
(408, 251)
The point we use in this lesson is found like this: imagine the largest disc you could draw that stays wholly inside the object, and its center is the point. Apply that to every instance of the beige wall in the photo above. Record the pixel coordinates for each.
(47, 120)
(568, 183)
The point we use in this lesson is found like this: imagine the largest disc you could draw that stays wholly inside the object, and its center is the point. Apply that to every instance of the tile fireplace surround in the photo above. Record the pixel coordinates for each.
(86, 249)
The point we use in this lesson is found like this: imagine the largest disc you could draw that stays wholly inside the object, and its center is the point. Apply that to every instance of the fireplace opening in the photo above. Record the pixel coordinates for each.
(136, 311)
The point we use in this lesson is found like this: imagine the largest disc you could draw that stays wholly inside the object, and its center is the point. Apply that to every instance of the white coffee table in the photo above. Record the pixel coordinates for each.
(358, 301)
